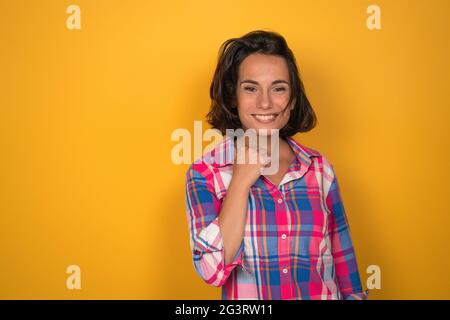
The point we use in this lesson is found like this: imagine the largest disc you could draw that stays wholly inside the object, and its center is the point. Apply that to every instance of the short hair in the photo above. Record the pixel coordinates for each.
(223, 113)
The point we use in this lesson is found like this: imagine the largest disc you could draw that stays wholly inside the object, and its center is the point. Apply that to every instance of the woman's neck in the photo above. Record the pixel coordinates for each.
(282, 144)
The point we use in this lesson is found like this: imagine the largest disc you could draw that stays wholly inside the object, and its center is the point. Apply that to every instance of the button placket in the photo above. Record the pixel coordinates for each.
(283, 209)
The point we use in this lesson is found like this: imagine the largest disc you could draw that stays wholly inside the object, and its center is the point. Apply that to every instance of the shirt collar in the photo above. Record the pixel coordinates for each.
(223, 154)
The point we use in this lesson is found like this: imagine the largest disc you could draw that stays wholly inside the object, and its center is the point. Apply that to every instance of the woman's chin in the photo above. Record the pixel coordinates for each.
(263, 130)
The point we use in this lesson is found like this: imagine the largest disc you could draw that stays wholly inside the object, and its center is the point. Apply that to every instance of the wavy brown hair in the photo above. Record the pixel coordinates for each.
(223, 113)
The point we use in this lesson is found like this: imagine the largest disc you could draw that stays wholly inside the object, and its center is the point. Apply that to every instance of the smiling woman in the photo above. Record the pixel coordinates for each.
(254, 71)
(258, 236)
(263, 102)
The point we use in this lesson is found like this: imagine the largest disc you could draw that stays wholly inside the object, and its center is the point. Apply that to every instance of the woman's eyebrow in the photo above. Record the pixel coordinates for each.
(256, 82)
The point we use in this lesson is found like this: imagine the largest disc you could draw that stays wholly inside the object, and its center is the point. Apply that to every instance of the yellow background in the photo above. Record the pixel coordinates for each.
(86, 176)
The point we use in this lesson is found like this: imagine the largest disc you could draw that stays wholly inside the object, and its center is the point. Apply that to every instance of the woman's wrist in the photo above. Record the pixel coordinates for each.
(239, 185)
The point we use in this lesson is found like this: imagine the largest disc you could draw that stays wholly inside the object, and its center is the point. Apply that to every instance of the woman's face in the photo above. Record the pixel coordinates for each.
(263, 91)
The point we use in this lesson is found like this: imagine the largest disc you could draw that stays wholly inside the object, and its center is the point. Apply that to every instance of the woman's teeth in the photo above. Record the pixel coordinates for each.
(265, 117)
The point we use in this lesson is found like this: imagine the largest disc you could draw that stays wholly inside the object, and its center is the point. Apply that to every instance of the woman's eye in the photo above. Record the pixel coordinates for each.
(251, 89)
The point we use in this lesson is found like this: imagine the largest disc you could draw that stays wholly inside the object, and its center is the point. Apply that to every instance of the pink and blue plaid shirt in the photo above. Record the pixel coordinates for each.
(297, 242)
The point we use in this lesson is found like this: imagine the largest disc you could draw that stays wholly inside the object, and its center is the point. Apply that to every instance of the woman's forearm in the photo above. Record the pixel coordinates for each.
(232, 218)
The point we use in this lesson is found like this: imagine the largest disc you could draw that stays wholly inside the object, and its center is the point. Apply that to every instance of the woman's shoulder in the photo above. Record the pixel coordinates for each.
(218, 155)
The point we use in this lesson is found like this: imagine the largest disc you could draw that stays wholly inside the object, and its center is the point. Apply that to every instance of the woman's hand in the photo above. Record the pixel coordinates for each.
(248, 164)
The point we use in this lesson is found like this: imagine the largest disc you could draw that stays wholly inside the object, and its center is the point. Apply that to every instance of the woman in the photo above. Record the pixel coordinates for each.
(282, 235)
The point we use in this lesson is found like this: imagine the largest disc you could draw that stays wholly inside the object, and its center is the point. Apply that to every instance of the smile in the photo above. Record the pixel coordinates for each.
(265, 118)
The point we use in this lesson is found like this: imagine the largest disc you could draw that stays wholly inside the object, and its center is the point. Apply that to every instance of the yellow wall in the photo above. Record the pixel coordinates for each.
(86, 176)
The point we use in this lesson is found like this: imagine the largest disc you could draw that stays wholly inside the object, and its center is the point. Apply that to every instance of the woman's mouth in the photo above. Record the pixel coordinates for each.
(265, 118)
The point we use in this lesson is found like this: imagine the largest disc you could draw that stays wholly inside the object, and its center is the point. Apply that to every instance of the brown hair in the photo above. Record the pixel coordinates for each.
(223, 113)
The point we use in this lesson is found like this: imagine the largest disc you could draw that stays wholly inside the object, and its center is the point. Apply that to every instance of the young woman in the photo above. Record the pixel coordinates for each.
(278, 236)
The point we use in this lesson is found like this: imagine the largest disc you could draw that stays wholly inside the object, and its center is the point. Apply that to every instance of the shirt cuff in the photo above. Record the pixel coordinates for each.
(210, 240)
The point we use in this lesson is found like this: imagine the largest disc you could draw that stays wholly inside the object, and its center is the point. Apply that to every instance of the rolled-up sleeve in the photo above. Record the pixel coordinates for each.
(206, 243)
(346, 268)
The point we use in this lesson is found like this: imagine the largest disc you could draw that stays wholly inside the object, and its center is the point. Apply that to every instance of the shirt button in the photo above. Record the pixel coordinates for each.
(284, 270)
(283, 236)
(280, 200)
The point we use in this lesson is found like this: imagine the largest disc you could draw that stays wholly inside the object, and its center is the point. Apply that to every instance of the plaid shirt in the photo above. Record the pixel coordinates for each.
(297, 242)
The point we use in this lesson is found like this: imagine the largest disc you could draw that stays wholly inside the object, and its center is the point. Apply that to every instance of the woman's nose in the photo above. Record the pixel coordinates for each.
(264, 101)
